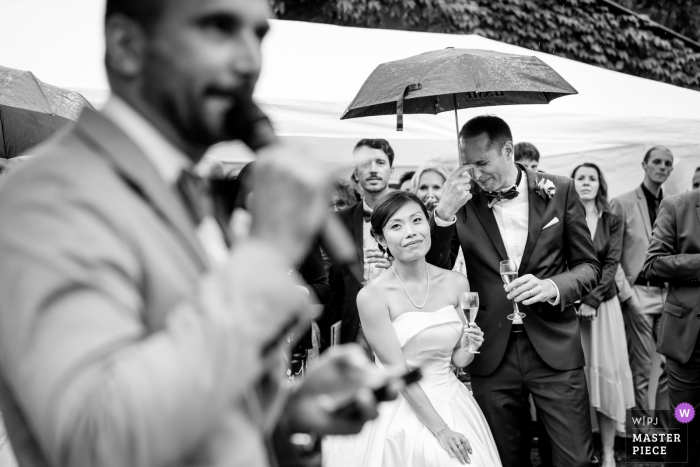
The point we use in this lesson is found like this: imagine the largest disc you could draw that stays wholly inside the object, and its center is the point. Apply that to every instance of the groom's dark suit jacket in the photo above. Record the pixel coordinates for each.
(561, 251)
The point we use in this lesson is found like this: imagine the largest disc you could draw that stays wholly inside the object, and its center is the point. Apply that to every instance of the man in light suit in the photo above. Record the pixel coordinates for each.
(674, 257)
(538, 221)
(130, 335)
(642, 305)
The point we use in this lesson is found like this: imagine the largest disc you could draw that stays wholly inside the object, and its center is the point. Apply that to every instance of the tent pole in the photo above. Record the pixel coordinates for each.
(459, 150)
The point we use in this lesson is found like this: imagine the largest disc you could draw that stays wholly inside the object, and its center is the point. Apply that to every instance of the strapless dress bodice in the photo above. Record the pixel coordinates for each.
(428, 340)
(397, 438)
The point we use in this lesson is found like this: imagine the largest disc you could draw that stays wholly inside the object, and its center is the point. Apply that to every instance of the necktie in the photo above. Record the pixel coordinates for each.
(200, 197)
(196, 194)
(496, 196)
(366, 215)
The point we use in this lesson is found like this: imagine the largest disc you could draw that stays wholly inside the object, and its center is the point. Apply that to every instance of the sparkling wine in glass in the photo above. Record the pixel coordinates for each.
(469, 302)
(509, 272)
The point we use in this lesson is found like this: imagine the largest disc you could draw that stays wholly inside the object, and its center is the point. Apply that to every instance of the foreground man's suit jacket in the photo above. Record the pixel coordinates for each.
(559, 249)
(118, 346)
(674, 257)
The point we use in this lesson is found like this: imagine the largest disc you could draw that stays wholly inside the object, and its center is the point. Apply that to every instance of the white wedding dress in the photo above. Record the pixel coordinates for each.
(397, 438)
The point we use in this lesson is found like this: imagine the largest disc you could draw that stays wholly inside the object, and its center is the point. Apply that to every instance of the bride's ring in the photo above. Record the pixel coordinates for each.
(529, 293)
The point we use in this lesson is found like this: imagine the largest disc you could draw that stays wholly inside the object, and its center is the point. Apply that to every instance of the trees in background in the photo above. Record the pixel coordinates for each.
(583, 30)
(683, 16)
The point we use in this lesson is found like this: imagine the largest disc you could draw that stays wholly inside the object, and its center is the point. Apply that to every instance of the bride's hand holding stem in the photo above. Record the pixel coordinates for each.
(472, 333)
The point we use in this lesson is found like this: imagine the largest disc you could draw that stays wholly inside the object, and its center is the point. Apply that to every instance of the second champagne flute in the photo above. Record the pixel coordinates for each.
(469, 302)
(509, 272)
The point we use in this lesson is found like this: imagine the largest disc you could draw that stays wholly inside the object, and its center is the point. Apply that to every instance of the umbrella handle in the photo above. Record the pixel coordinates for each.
(399, 104)
(459, 149)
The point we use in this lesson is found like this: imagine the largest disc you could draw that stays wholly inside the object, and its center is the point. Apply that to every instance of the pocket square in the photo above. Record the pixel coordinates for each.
(551, 223)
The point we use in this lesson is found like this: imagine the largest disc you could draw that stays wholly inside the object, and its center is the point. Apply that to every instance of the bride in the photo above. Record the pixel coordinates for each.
(409, 318)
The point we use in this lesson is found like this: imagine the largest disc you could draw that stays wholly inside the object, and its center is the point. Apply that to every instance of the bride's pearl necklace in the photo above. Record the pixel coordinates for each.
(427, 287)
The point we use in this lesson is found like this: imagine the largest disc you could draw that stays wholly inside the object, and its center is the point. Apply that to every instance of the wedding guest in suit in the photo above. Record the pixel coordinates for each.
(539, 222)
(674, 257)
(373, 178)
(130, 334)
(406, 181)
(528, 155)
(602, 328)
(642, 311)
(696, 179)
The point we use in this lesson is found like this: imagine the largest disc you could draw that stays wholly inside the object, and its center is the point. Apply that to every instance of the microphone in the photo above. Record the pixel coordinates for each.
(250, 124)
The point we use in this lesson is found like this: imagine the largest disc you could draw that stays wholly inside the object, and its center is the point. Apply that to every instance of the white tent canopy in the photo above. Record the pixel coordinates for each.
(311, 72)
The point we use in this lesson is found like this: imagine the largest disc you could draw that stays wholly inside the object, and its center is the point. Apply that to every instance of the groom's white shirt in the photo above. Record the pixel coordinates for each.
(512, 217)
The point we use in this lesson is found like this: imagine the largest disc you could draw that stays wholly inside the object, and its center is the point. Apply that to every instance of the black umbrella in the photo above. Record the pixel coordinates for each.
(452, 79)
(31, 110)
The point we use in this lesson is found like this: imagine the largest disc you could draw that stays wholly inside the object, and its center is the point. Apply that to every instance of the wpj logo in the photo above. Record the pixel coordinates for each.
(651, 438)
(684, 412)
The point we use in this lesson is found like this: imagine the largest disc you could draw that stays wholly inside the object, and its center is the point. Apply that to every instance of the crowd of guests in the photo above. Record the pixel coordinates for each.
(619, 318)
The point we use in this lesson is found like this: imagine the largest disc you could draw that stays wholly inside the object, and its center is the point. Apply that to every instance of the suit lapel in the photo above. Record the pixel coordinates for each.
(133, 166)
(535, 214)
(488, 221)
(644, 209)
(357, 224)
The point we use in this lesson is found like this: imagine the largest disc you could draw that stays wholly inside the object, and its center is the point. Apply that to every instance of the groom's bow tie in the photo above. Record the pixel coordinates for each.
(496, 196)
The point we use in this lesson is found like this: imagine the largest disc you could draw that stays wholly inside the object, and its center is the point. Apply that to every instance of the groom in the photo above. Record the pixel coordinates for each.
(538, 221)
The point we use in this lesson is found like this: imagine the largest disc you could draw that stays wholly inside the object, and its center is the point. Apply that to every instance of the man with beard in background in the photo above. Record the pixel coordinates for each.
(372, 175)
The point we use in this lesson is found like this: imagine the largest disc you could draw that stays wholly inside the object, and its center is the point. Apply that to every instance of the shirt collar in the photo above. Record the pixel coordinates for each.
(650, 196)
(168, 160)
(365, 206)
(522, 183)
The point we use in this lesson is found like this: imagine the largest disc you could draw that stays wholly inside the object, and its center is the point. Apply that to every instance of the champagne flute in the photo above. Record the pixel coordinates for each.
(469, 302)
(509, 272)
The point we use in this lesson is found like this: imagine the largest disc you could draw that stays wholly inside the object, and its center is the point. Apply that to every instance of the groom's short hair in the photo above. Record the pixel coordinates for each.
(496, 128)
(144, 12)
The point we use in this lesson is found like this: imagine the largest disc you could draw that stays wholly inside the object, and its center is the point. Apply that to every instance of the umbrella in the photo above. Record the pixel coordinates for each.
(452, 79)
(31, 110)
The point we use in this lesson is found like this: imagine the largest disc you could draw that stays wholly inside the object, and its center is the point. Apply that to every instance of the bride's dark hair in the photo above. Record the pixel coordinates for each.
(387, 208)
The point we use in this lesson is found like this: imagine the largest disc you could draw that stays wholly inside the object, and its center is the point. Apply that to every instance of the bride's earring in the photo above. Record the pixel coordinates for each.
(386, 255)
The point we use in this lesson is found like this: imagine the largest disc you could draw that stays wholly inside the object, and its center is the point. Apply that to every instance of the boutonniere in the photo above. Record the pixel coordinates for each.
(545, 188)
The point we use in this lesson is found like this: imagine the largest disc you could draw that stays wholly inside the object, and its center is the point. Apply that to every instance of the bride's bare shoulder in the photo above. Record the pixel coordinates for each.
(373, 293)
(451, 278)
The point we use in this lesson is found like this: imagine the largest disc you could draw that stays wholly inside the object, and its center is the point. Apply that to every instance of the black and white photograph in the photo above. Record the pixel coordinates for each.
(349, 233)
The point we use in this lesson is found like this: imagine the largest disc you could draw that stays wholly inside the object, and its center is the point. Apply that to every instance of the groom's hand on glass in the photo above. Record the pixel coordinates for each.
(455, 192)
(530, 290)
